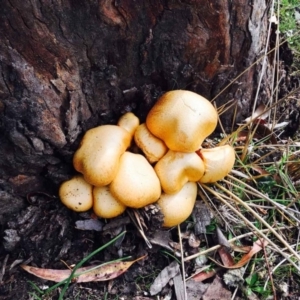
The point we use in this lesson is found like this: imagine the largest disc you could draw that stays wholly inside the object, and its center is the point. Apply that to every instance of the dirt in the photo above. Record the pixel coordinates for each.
(45, 234)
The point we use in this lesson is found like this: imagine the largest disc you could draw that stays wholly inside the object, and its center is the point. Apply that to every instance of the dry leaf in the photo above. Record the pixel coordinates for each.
(225, 256)
(262, 132)
(195, 290)
(217, 291)
(259, 169)
(90, 224)
(86, 274)
(204, 275)
(257, 246)
(222, 240)
(179, 287)
(164, 277)
(261, 112)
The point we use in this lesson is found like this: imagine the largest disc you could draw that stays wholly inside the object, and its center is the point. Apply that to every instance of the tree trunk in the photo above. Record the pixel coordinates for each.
(67, 66)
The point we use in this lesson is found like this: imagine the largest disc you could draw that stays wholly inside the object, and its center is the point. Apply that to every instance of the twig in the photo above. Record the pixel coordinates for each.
(269, 271)
(182, 262)
(139, 227)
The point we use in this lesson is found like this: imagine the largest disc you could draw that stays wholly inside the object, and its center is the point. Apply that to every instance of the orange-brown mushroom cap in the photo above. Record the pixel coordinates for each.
(176, 208)
(218, 162)
(182, 119)
(153, 148)
(98, 155)
(136, 183)
(76, 194)
(105, 204)
(175, 169)
(129, 122)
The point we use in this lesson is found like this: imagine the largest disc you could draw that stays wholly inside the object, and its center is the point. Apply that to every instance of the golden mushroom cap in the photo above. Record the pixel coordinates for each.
(153, 148)
(129, 122)
(218, 162)
(182, 119)
(175, 169)
(105, 204)
(98, 155)
(176, 208)
(76, 194)
(136, 183)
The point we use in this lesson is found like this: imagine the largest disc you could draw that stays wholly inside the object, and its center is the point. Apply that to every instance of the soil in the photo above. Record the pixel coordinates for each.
(44, 233)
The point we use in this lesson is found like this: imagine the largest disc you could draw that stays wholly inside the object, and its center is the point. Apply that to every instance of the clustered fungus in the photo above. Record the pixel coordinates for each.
(112, 178)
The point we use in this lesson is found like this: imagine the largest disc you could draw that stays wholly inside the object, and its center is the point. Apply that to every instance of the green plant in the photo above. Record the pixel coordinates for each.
(254, 284)
(289, 26)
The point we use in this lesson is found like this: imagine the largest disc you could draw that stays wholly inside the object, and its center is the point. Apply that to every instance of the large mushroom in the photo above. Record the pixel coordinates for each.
(218, 162)
(105, 204)
(182, 119)
(76, 194)
(136, 183)
(175, 169)
(153, 148)
(177, 207)
(100, 149)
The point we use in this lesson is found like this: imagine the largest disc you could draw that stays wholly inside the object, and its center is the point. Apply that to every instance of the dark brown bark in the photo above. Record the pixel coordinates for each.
(67, 66)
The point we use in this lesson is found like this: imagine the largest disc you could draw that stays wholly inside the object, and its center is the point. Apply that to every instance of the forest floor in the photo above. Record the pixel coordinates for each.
(48, 235)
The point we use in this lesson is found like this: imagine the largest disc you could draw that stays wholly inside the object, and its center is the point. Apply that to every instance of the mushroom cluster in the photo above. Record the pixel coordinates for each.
(113, 178)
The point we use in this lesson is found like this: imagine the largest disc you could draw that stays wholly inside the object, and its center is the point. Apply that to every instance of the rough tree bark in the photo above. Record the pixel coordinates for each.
(67, 66)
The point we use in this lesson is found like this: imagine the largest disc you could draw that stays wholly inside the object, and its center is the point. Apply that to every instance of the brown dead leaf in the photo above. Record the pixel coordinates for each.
(204, 275)
(261, 113)
(164, 277)
(216, 291)
(257, 246)
(86, 274)
(259, 169)
(262, 132)
(226, 257)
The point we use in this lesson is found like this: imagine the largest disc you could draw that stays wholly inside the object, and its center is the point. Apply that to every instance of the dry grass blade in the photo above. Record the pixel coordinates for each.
(214, 248)
(253, 191)
(136, 221)
(259, 233)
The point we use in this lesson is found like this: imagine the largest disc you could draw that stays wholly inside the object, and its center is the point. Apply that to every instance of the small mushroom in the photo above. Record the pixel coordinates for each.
(175, 169)
(176, 208)
(153, 148)
(129, 122)
(182, 119)
(136, 183)
(98, 155)
(105, 204)
(76, 194)
(218, 162)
